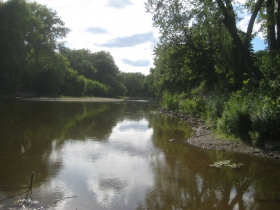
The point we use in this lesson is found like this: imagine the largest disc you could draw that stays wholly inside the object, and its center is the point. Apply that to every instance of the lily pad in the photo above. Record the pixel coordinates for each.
(226, 163)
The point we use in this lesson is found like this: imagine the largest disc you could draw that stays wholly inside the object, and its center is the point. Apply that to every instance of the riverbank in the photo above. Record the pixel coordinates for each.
(66, 99)
(206, 138)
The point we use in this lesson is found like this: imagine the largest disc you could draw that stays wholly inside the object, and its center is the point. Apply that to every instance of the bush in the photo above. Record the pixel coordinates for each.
(235, 119)
(214, 108)
(94, 88)
(270, 84)
(116, 88)
(195, 106)
(265, 121)
(73, 85)
(251, 117)
(171, 101)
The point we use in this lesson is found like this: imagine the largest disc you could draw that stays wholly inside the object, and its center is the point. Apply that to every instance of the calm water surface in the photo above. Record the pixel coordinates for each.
(119, 156)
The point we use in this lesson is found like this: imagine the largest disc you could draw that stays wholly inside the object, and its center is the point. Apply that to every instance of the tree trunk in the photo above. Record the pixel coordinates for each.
(241, 55)
(271, 38)
(278, 26)
(238, 67)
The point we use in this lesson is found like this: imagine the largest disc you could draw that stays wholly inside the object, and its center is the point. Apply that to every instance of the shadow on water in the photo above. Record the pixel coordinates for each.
(120, 156)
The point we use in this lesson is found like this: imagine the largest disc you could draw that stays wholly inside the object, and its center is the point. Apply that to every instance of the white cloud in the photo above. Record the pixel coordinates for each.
(106, 170)
(96, 24)
(243, 24)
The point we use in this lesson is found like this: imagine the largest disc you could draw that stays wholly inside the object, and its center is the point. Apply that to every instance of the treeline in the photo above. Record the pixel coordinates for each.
(205, 65)
(34, 60)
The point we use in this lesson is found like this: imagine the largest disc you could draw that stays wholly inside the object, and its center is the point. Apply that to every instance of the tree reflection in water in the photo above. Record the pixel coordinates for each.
(184, 180)
(34, 136)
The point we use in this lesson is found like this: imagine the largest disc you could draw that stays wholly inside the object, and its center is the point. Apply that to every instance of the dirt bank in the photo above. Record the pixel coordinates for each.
(205, 138)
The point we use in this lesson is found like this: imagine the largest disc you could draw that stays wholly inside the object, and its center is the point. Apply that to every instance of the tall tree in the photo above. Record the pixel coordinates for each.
(178, 19)
(27, 31)
(80, 60)
(271, 21)
(104, 63)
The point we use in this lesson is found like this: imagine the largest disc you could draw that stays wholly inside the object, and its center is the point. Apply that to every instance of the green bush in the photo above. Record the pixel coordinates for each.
(73, 85)
(235, 119)
(94, 88)
(265, 121)
(116, 87)
(270, 84)
(214, 108)
(195, 106)
(170, 101)
(251, 117)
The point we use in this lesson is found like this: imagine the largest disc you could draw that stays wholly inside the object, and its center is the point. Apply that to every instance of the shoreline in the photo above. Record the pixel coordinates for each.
(66, 99)
(203, 136)
(206, 138)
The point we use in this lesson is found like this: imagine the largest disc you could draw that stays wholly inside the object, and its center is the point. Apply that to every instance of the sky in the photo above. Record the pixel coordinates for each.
(121, 27)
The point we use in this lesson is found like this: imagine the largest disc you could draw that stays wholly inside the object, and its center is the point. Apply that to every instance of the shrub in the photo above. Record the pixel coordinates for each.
(270, 84)
(195, 106)
(235, 119)
(251, 117)
(170, 101)
(214, 108)
(265, 121)
(94, 88)
(73, 85)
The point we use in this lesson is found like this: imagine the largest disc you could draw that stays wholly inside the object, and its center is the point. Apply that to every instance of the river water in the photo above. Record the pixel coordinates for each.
(121, 156)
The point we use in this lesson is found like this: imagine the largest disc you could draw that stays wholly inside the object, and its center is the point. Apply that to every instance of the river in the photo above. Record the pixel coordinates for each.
(121, 156)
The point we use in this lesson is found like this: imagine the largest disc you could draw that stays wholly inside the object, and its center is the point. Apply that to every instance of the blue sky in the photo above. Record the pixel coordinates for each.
(258, 44)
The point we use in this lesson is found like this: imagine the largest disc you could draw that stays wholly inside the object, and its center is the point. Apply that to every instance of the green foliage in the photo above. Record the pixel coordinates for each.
(265, 120)
(94, 88)
(270, 85)
(235, 119)
(248, 116)
(251, 117)
(171, 101)
(116, 88)
(194, 106)
(28, 32)
(214, 108)
(73, 85)
(80, 60)
(134, 83)
(104, 64)
(99, 71)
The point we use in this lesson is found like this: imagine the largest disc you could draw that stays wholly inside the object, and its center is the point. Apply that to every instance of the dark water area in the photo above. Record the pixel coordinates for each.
(121, 156)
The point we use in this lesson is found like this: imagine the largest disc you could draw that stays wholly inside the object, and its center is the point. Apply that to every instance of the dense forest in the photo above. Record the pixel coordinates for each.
(34, 60)
(204, 63)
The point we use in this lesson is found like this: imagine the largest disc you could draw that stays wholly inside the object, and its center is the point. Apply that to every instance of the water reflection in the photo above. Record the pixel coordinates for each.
(184, 180)
(112, 172)
(119, 156)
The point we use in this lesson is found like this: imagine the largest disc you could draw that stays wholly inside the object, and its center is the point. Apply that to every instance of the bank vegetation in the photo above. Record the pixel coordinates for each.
(205, 64)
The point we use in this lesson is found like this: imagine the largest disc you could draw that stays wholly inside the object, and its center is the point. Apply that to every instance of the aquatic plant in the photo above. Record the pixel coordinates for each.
(226, 163)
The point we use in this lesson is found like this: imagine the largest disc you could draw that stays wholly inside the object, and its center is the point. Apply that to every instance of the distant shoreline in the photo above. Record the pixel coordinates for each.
(66, 99)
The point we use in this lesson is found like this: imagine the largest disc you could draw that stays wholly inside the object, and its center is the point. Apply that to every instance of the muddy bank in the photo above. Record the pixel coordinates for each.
(205, 138)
